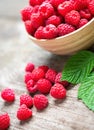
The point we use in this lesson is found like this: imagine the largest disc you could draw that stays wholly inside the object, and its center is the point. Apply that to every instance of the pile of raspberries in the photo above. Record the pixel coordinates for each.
(39, 81)
(48, 19)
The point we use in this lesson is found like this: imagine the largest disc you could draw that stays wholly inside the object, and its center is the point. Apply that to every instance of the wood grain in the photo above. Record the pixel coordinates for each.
(16, 50)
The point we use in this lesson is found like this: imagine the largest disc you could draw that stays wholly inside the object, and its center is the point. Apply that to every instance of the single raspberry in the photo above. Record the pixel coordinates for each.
(38, 34)
(73, 17)
(29, 67)
(55, 20)
(55, 3)
(44, 85)
(58, 91)
(85, 13)
(27, 77)
(37, 20)
(35, 2)
(40, 101)
(26, 13)
(29, 27)
(82, 22)
(50, 75)
(65, 7)
(80, 4)
(64, 29)
(24, 113)
(31, 86)
(44, 68)
(46, 9)
(50, 31)
(8, 95)
(58, 80)
(27, 100)
(4, 121)
(91, 7)
(37, 74)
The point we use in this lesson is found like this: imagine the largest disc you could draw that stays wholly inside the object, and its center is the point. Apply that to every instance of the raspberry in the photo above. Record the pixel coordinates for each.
(50, 31)
(35, 9)
(65, 7)
(27, 100)
(44, 86)
(38, 34)
(64, 29)
(4, 121)
(37, 74)
(46, 9)
(8, 95)
(44, 68)
(85, 13)
(27, 77)
(24, 113)
(35, 2)
(58, 80)
(40, 101)
(55, 3)
(80, 4)
(50, 75)
(91, 7)
(26, 13)
(82, 22)
(55, 20)
(29, 67)
(58, 91)
(29, 27)
(31, 87)
(73, 17)
(37, 19)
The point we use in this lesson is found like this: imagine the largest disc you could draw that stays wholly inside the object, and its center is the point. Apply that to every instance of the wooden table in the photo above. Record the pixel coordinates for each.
(16, 50)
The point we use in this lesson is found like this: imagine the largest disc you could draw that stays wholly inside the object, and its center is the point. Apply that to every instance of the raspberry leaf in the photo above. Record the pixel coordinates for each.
(78, 67)
(86, 91)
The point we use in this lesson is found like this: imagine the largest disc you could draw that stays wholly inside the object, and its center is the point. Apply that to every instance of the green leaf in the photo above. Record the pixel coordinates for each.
(86, 91)
(78, 67)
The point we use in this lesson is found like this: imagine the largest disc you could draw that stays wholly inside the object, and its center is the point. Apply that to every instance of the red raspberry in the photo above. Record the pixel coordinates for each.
(44, 86)
(85, 13)
(44, 68)
(29, 27)
(27, 100)
(35, 2)
(65, 7)
(58, 91)
(29, 67)
(35, 9)
(80, 4)
(55, 3)
(55, 20)
(64, 29)
(73, 17)
(8, 95)
(50, 75)
(31, 86)
(40, 101)
(50, 31)
(27, 77)
(37, 19)
(38, 34)
(91, 7)
(37, 74)
(24, 112)
(82, 22)
(46, 9)
(4, 121)
(26, 13)
(58, 80)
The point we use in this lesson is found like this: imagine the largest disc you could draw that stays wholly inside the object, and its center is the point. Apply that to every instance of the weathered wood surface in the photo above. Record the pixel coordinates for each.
(16, 50)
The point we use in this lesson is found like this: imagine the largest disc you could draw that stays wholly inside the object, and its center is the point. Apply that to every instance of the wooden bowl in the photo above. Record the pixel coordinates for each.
(80, 39)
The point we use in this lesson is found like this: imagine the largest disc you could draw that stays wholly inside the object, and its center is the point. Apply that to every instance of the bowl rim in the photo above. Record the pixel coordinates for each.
(43, 40)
